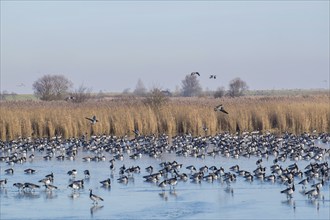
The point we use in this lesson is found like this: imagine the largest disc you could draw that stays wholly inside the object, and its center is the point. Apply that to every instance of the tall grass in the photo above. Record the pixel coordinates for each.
(179, 115)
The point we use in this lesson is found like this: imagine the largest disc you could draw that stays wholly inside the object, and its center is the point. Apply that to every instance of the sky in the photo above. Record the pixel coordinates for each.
(109, 45)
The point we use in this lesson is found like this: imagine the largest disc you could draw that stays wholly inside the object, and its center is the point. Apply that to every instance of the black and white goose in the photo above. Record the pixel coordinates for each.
(304, 182)
(19, 186)
(87, 174)
(313, 193)
(289, 191)
(3, 183)
(31, 186)
(93, 197)
(106, 183)
(29, 171)
(220, 108)
(72, 173)
(9, 171)
(93, 120)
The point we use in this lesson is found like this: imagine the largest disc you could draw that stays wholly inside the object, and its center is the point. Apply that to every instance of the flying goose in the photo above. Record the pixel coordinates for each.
(220, 108)
(93, 119)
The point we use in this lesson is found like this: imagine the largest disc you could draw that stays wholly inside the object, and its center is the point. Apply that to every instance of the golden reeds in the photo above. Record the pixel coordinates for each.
(177, 116)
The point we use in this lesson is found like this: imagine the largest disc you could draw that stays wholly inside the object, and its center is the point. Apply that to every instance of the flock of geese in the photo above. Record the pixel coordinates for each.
(212, 76)
(261, 147)
(254, 145)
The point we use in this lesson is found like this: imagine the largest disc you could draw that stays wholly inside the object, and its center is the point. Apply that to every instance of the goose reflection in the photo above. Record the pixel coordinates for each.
(95, 208)
(230, 190)
(74, 195)
(50, 195)
(290, 202)
(163, 195)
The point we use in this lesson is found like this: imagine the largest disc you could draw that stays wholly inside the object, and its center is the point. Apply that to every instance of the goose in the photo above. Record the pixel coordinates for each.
(106, 183)
(74, 186)
(220, 108)
(123, 179)
(45, 181)
(29, 171)
(319, 184)
(149, 169)
(31, 186)
(3, 183)
(93, 197)
(172, 182)
(304, 182)
(213, 76)
(87, 174)
(234, 168)
(9, 171)
(313, 193)
(162, 185)
(80, 183)
(72, 173)
(19, 186)
(50, 176)
(192, 168)
(136, 132)
(289, 191)
(93, 120)
(270, 178)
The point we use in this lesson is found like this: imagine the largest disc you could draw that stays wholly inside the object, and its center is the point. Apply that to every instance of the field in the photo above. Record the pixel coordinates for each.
(121, 116)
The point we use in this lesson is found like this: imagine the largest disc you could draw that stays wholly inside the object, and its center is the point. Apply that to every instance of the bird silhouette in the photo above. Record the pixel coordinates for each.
(93, 119)
(213, 76)
(195, 73)
(220, 108)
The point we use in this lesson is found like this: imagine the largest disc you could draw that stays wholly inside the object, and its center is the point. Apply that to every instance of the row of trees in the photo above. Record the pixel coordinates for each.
(191, 87)
(58, 87)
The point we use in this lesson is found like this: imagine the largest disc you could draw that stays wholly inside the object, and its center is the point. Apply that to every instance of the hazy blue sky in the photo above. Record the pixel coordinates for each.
(109, 45)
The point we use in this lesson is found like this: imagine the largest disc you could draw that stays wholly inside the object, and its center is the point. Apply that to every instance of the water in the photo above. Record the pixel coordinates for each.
(142, 200)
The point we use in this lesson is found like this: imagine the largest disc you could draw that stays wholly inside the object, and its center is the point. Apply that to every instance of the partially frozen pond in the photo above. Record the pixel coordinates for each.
(139, 199)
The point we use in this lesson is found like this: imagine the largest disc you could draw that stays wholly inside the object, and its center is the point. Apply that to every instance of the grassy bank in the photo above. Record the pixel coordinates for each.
(179, 115)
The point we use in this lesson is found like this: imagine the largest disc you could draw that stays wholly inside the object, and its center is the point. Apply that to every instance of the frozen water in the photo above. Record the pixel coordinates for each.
(142, 200)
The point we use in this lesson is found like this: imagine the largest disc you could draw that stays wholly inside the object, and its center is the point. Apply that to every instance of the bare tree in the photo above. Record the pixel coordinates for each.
(220, 92)
(51, 87)
(191, 86)
(156, 97)
(237, 87)
(140, 89)
(126, 91)
(81, 94)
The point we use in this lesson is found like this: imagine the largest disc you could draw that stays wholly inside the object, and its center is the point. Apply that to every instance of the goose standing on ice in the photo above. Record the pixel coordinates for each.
(93, 197)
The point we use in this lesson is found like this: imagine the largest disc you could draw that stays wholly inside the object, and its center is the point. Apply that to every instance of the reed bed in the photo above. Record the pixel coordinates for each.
(177, 116)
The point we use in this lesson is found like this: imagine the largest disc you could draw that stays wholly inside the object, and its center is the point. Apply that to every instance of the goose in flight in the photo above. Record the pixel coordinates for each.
(220, 108)
(213, 76)
(93, 119)
(195, 73)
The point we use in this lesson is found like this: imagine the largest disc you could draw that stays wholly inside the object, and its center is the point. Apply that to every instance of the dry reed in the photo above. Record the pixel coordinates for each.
(179, 115)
